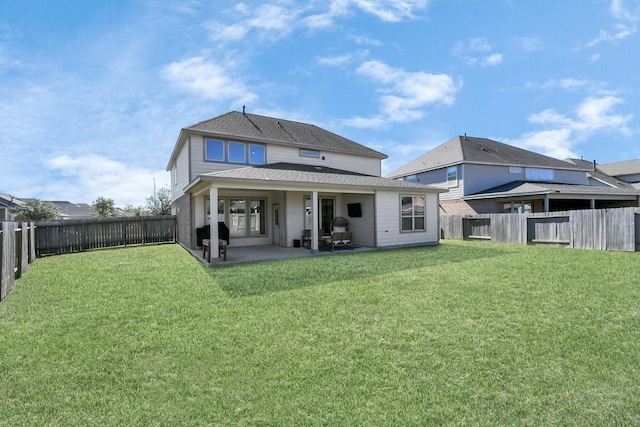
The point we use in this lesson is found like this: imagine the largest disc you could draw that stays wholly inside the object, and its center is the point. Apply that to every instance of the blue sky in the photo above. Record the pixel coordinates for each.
(93, 94)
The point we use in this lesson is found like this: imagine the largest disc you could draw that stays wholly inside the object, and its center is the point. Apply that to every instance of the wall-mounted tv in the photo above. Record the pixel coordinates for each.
(354, 210)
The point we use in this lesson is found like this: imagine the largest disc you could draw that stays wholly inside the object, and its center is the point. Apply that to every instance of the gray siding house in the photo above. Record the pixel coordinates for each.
(271, 181)
(486, 176)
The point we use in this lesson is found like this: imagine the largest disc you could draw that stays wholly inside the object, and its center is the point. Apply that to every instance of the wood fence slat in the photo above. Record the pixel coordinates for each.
(58, 237)
(597, 229)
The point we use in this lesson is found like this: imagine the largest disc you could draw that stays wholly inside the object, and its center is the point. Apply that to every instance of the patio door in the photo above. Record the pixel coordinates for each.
(325, 215)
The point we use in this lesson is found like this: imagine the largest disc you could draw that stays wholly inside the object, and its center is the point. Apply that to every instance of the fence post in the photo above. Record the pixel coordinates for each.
(8, 262)
(32, 242)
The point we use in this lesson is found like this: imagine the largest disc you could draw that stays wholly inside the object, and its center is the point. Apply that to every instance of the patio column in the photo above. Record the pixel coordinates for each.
(213, 208)
(546, 203)
(314, 222)
(593, 203)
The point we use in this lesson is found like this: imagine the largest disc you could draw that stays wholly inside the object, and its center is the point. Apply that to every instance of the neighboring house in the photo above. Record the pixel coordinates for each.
(8, 207)
(627, 171)
(70, 210)
(270, 179)
(486, 176)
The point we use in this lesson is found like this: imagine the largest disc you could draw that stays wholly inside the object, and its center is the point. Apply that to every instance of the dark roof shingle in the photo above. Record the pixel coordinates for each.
(478, 150)
(272, 130)
(304, 175)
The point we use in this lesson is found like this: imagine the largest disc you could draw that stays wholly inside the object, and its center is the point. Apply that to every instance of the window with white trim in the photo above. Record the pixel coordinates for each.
(452, 176)
(309, 153)
(412, 213)
(247, 217)
(536, 174)
(234, 152)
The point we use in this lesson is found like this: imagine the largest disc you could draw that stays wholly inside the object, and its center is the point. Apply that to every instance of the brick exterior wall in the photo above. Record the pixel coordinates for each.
(181, 208)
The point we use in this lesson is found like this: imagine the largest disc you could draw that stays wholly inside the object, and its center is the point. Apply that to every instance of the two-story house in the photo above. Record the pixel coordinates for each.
(271, 179)
(486, 176)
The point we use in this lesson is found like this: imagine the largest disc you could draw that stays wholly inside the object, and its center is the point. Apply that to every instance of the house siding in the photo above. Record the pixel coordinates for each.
(388, 221)
(283, 154)
(362, 228)
(350, 162)
(438, 178)
(180, 173)
(478, 178)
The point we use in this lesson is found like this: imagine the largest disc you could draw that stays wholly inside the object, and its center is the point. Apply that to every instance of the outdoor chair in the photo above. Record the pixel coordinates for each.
(340, 234)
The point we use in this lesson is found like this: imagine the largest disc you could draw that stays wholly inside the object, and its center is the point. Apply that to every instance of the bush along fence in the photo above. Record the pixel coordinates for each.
(17, 250)
(599, 229)
(67, 236)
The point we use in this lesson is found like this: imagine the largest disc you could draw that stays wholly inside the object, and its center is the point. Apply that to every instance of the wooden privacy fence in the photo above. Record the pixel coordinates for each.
(17, 249)
(599, 229)
(66, 236)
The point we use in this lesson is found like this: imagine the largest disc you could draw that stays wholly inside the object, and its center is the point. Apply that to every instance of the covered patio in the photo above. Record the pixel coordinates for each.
(250, 254)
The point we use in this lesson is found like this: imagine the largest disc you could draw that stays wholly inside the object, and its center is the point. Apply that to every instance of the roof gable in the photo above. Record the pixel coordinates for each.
(467, 149)
(272, 130)
(596, 173)
(625, 167)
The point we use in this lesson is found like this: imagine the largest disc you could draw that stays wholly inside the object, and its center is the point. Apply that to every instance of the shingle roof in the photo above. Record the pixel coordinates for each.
(469, 149)
(626, 167)
(10, 202)
(599, 174)
(73, 209)
(278, 131)
(520, 188)
(302, 175)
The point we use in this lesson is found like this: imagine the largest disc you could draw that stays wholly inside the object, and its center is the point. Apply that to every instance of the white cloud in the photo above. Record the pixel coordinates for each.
(477, 51)
(493, 59)
(556, 143)
(620, 32)
(528, 44)
(269, 21)
(621, 12)
(91, 176)
(571, 84)
(275, 21)
(391, 10)
(564, 132)
(625, 28)
(405, 93)
(207, 80)
(343, 59)
(373, 122)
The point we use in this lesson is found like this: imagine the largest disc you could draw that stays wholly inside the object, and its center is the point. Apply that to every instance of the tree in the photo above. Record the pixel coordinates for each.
(37, 210)
(131, 210)
(103, 208)
(160, 202)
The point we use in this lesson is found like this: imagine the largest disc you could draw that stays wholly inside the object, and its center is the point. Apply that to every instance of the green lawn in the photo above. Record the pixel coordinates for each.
(461, 334)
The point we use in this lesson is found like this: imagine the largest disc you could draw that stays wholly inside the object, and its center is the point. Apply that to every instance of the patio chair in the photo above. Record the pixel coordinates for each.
(340, 234)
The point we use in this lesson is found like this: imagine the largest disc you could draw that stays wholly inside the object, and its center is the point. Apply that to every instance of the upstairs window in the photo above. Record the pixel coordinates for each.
(234, 152)
(256, 154)
(309, 153)
(452, 176)
(535, 174)
(237, 152)
(214, 150)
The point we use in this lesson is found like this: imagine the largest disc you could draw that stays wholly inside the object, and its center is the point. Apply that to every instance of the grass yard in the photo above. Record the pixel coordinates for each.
(461, 334)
